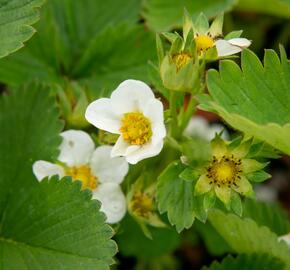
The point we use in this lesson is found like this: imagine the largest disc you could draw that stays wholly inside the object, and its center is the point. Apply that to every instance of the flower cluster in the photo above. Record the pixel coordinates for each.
(181, 66)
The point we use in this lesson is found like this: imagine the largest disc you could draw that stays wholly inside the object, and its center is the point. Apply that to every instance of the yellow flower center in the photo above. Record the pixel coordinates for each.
(181, 59)
(142, 204)
(136, 128)
(224, 171)
(83, 174)
(203, 43)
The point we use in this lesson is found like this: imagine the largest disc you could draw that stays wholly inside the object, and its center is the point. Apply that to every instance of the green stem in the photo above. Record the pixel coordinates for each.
(188, 113)
(173, 112)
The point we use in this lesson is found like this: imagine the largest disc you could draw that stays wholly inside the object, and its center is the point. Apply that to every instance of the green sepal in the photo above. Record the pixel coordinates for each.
(258, 176)
(243, 149)
(73, 102)
(169, 36)
(159, 48)
(211, 54)
(201, 25)
(176, 46)
(216, 28)
(234, 34)
(209, 200)
(189, 44)
(236, 204)
(183, 80)
(187, 24)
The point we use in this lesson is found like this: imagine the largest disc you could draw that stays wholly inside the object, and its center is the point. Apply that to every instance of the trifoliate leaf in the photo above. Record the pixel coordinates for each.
(55, 225)
(163, 15)
(254, 100)
(267, 214)
(101, 48)
(249, 262)
(17, 16)
(245, 236)
(176, 197)
(132, 241)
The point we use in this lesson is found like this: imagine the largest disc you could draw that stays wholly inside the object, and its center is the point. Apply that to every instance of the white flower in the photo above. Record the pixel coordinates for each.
(133, 112)
(95, 168)
(208, 37)
(199, 127)
(285, 238)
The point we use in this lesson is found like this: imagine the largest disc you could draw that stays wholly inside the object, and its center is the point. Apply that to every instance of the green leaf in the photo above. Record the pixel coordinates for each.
(29, 129)
(132, 241)
(114, 58)
(214, 243)
(17, 16)
(249, 262)
(51, 224)
(254, 100)
(164, 15)
(100, 48)
(176, 197)
(267, 214)
(245, 236)
(55, 226)
(280, 8)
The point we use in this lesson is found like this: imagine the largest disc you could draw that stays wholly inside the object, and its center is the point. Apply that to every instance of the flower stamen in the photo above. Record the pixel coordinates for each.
(203, 43)
(142, 204)
(136, 128)
(181, 59)
(83, 174)
(224, 171)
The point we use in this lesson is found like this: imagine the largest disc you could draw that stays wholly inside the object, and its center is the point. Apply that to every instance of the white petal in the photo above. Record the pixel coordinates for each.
(108, 169)
(224, 48)
(154, 111)
(241, 42)
(122, 148)
(76, 148)
(42, 169)
(113, 201)
(198, 127)
(145, 151)
(102, 115)
(286, 238)
(133, 89)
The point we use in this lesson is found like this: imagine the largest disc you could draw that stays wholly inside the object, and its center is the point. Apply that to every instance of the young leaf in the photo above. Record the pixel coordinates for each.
(55, 226)
(254, 100)
(176, 197)
(15, 26)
